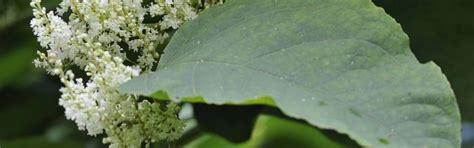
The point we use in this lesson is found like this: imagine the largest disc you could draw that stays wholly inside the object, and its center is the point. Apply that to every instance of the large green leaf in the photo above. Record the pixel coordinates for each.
(338, 64)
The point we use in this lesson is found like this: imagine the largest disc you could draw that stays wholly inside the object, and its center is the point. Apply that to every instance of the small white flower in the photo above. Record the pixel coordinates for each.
(156, 10)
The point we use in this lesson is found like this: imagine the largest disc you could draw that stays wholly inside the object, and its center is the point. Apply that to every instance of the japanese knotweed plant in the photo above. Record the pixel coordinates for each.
(343, 65)
(96, 37)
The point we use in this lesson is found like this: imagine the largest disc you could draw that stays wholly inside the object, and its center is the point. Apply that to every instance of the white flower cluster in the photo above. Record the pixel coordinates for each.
(95, 38)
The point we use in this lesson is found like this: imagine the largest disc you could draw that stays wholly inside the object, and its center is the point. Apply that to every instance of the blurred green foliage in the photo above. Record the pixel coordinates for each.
(440, 31)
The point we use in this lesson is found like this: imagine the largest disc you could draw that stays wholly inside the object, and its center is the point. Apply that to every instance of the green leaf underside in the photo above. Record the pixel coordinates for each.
(338, 64)
(261, 100)
(270, 131)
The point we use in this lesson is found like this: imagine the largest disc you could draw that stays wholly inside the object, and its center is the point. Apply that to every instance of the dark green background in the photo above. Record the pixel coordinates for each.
(439, 30)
